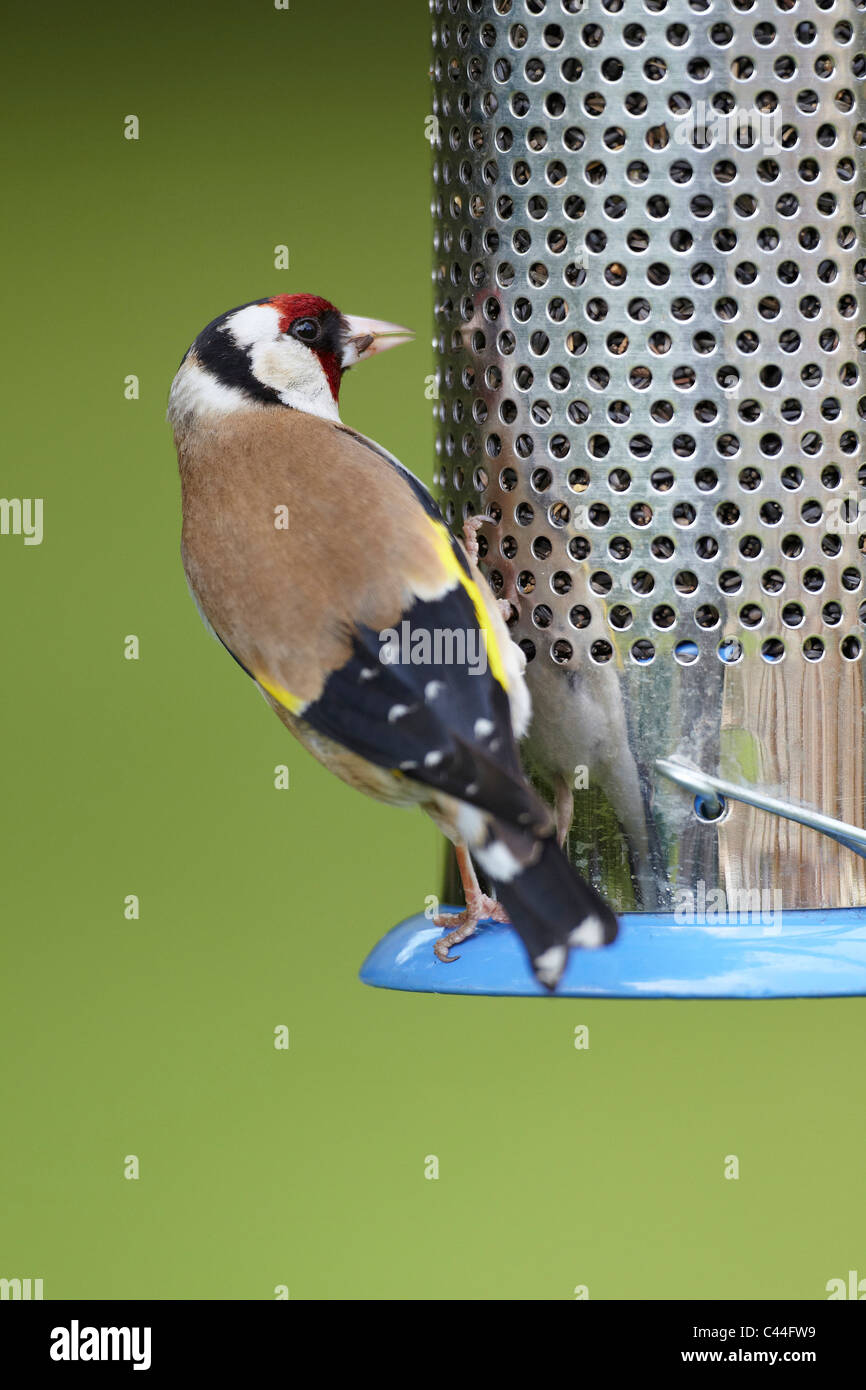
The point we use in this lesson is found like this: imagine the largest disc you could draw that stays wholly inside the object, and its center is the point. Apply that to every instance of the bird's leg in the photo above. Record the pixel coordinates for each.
(479, 908)
(564, 809)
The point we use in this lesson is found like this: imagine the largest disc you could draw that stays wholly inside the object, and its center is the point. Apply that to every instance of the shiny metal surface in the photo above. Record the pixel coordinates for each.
(715, 792)
(649, 274)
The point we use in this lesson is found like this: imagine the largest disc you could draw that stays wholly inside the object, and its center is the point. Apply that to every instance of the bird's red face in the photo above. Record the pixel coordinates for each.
(318, 325)
(289, 350)
(338, 340)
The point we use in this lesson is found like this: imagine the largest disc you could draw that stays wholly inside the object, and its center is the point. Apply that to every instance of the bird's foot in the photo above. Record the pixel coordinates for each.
(463, 924)
(471, 527)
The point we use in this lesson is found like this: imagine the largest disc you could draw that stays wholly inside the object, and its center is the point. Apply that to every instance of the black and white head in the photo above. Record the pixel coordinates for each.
(288, 351)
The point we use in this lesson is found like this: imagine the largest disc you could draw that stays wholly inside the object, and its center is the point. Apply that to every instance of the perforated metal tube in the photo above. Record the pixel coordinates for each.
(649, 268)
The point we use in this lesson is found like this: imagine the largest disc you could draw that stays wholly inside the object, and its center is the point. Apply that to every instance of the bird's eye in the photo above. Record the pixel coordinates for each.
(306, 329)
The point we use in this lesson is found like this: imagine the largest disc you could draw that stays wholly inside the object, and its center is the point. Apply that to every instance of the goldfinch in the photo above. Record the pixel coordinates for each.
(326, 570)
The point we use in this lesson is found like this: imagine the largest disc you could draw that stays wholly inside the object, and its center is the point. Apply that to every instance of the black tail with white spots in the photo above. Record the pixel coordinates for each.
(549, 905)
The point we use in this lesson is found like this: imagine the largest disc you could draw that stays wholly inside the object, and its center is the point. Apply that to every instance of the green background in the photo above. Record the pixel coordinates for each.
(154, 1037)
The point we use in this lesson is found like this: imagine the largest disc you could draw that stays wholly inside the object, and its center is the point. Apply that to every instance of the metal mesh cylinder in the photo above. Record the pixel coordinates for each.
(648, 260)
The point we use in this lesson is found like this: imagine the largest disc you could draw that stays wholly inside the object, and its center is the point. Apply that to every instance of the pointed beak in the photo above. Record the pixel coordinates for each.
(367, 337)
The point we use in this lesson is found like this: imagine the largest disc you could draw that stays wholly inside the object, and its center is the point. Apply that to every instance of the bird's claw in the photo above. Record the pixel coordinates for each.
(463, 924)
(440, 950)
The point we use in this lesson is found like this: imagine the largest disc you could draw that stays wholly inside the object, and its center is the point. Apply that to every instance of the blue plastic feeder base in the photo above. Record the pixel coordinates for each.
(798, 955)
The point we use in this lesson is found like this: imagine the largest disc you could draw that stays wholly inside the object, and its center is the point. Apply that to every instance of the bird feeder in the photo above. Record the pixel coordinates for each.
(649, 261)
